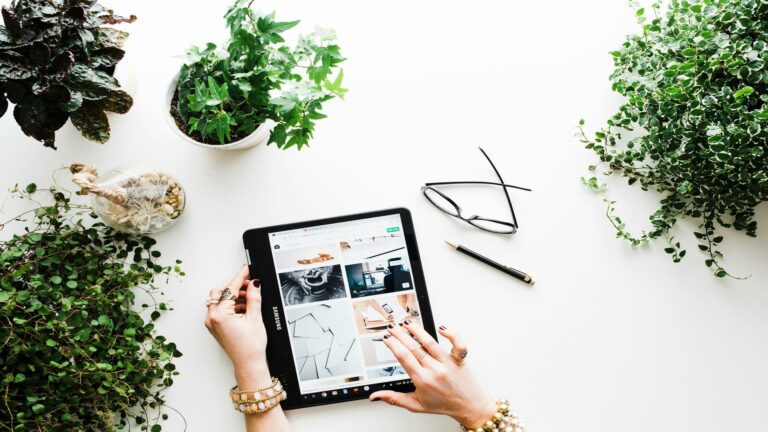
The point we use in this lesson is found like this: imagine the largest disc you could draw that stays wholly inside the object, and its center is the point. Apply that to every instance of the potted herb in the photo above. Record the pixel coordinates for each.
(256, 89)
(695, 124)
(57, 58)
(79, 349)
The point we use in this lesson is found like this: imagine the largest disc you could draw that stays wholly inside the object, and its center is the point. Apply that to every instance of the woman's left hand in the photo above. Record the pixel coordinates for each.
(239, 329)
(443, 384)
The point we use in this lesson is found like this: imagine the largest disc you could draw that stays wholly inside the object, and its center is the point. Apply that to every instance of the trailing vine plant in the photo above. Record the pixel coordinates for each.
(77, 353)
(695, 124)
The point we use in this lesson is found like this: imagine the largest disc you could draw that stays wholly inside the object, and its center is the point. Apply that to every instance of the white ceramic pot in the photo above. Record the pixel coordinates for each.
(259, 136)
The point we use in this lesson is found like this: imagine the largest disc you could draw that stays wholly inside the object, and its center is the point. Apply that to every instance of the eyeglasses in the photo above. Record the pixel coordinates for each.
(449, 206)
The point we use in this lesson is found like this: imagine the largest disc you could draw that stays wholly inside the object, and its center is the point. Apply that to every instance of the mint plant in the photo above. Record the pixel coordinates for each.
(224, 95)
(695, 124)
(56, 63)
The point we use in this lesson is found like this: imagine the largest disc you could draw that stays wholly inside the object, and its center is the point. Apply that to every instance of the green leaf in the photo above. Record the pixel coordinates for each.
(13, 71)
(279, 27)
(743, 92)
(92, 122)
(104, 320)
(82, 77)
(73, 104)
(117, 102)
(31, 188)
(335, 86)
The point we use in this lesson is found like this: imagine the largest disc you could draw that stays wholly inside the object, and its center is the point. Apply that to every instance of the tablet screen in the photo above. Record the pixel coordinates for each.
(341, 284)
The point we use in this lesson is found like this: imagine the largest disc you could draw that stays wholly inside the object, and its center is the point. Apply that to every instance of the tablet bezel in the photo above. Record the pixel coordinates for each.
(279, 356)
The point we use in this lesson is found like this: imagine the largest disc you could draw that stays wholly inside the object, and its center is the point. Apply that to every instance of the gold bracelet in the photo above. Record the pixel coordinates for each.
(259, 400)
(503, 421)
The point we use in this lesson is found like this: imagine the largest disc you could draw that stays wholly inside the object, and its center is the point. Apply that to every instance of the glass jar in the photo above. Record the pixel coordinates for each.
(134, 200)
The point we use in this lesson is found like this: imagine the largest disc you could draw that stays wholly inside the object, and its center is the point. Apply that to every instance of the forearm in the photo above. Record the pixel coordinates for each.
(273, 420)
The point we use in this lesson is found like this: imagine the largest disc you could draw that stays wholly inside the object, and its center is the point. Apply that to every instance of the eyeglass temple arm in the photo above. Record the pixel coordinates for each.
(506, 194)
(477, 182)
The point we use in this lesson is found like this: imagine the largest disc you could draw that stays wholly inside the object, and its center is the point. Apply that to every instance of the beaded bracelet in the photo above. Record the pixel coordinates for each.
(259, 400)
(503, 421)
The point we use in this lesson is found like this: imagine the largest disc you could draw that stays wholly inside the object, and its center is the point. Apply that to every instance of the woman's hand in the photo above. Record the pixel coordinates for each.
(443, 386)
(238, 327)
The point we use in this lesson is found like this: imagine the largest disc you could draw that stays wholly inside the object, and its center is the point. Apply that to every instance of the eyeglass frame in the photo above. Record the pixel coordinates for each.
(470, 219)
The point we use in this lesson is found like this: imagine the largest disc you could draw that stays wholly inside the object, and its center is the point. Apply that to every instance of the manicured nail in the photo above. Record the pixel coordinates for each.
(407, 322)
(386, 336)
(442, 327)
(390, 326)
(401, 324)
(375, 399)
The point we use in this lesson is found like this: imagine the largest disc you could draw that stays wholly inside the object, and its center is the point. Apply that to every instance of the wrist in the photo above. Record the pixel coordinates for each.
(475, 416)
(252, 376)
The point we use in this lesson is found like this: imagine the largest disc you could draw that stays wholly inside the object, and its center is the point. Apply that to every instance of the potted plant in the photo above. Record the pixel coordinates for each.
(695, 125)
(256, 89)
(57, 58)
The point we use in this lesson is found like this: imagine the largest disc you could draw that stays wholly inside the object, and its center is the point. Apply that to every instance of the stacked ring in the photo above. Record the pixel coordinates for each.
(211, 301)
(419, 353)
(459, 356)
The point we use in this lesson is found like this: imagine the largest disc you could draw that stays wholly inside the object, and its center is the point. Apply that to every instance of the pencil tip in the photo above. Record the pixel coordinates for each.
(451, 244)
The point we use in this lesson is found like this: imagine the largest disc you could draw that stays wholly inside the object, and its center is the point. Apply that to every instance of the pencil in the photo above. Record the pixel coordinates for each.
(517, 274)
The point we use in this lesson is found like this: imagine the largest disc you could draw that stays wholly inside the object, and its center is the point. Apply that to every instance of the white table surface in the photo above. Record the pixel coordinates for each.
(610, 339)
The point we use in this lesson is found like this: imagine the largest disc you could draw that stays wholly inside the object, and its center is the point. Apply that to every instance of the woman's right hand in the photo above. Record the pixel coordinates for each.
(443, 386)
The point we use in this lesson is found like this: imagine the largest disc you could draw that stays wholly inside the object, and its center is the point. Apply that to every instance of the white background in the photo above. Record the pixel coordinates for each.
(610, 339)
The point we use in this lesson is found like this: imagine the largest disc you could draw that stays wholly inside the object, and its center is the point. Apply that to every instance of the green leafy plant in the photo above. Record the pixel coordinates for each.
(695, 124)
(76, 353)
(224, 96)
(56, 63)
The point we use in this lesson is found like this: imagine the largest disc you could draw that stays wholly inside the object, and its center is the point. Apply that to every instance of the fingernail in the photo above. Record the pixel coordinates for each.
(407, 322)
(375, 399)
(401, 324)
(386, 336)
(390, 326)
(442, 327)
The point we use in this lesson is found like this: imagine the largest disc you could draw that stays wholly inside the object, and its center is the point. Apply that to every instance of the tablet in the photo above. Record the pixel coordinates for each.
(329, 289)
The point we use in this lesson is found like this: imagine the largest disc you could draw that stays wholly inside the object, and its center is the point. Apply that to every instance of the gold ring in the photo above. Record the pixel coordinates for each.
(459, 356)
(227, 295)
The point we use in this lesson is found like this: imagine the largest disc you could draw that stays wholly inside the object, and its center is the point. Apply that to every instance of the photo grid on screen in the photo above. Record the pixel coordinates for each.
(341, 286)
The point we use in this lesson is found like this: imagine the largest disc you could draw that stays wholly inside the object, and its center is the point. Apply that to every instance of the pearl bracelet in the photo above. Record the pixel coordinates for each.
(259, 400)
(503, 421)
